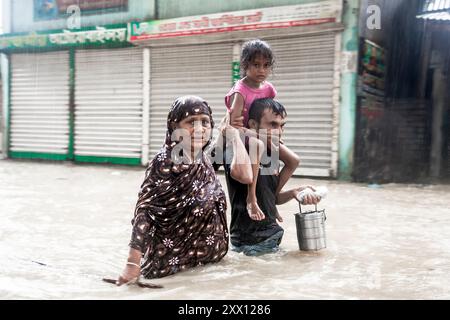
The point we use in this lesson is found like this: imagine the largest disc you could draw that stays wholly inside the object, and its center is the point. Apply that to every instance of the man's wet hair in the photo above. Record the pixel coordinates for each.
(260, 105)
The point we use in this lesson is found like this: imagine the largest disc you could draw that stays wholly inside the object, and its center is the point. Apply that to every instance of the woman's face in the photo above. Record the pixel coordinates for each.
(198, 127)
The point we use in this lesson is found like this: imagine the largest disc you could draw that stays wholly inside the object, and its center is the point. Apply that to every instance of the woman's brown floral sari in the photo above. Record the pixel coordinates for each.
(180, 216)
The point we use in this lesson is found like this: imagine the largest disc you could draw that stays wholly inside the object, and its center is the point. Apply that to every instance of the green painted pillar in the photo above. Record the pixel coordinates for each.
(235, 64)
(347, 120)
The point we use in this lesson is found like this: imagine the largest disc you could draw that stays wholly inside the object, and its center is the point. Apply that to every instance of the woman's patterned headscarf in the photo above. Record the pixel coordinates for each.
(182, 108)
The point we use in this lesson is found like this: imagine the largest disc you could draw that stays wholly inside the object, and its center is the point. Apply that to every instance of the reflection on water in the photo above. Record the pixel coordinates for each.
(64, 227)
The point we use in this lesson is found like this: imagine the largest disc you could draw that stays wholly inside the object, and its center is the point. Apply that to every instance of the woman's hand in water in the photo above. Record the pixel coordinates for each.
(129, 274)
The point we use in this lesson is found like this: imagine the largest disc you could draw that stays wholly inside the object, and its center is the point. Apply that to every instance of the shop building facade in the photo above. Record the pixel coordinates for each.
(101, 93)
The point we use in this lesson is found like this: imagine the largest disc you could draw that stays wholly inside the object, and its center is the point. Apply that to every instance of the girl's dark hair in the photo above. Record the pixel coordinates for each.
(253, 48)
(260, 105)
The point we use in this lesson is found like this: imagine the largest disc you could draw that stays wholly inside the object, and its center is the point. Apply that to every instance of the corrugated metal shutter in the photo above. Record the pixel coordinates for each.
(40, 103)
(304, 78)
(108, 104)
(202, 70)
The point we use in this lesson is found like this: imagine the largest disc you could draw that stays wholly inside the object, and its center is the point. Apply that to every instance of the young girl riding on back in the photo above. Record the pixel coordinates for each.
(257, 61)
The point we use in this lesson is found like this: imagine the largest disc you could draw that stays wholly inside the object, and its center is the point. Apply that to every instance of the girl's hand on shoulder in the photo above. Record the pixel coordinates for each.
(237, 122)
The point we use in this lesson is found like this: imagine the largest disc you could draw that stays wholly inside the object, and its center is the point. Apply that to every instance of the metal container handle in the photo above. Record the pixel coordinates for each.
(300, 207)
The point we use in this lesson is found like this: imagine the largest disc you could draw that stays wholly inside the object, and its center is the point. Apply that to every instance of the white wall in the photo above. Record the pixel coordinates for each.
(6, 15)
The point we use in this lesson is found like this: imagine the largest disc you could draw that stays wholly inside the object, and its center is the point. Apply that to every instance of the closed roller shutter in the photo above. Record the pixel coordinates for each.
(304, 78)
(108, 105)
(40, 105)
(202, 70)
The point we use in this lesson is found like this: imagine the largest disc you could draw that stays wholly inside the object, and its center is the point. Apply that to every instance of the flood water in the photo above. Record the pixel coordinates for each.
(64, 227)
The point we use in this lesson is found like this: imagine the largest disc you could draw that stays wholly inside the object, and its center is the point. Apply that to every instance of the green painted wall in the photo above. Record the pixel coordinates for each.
(167, 9)
(347, 126)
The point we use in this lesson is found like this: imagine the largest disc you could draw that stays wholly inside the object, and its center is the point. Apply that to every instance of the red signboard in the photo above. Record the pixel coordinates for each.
(264, 18)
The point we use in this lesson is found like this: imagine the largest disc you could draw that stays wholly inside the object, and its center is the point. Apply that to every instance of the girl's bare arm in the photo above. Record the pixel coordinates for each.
(237, 106)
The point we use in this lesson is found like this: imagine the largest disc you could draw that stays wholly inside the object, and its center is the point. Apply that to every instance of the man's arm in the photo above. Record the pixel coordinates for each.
(286, 196)
(291, 163)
